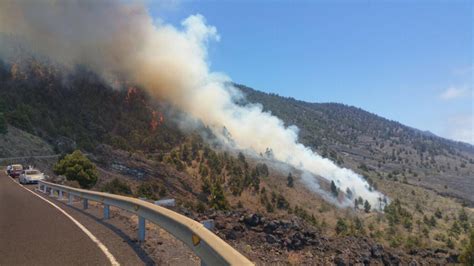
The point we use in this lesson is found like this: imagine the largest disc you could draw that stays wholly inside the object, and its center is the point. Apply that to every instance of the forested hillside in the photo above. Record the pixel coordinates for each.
(78, 105)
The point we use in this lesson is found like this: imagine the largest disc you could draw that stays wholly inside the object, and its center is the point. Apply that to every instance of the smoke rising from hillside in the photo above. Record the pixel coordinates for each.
(121, 39)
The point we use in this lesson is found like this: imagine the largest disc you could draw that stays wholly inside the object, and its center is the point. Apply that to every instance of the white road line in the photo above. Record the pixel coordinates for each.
(102, 247)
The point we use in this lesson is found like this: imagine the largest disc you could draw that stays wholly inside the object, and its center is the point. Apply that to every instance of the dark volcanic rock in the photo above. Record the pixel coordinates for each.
(390, 259)
(231, 235)
(275, 238)
(271, 239)
(339, 260)
(253, 220)
(270, 227)
(453, 258)
(220, 225)
(376, 251)
(238, 228)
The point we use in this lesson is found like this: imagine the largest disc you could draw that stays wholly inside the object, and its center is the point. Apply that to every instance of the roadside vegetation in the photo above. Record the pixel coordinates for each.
(77, 167)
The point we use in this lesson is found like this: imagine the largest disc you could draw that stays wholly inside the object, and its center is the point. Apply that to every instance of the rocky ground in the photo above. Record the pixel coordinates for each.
(293, 241)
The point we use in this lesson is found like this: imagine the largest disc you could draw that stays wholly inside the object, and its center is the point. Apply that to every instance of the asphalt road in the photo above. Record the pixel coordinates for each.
(32, 232)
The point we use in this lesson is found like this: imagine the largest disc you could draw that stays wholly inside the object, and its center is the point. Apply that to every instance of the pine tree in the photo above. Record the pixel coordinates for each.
(290, 181)
(334, 189)
(367, 206)
(341, 226)
(217, 198)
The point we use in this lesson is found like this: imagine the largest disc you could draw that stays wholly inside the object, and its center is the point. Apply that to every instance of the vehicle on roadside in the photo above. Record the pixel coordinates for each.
(31, 176)
(9, 169)
(16, 170)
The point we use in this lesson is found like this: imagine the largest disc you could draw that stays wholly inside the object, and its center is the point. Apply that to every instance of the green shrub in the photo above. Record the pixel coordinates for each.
(200, 207)
(412, 242)
(217, 198)
(116, 186)
(341, 226)
(281, 202)
(467, 255)
(151, 190)
(76, 167)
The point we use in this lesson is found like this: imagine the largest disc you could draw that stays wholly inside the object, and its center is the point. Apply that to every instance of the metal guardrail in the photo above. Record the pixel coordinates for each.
(206, 245)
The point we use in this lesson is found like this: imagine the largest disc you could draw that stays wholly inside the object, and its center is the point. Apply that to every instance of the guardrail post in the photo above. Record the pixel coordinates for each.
(44, 189)
(141, 228)
(51, 192)
(60, 195)
(39, 186)
(85, 204)
(106, 211)
(71, 198)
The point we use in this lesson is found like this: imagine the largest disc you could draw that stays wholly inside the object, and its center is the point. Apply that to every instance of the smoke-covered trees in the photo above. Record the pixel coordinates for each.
(262, 169)
(367, 206)
(76, 167)
(334, 189)
(349, 194)
(358, 201)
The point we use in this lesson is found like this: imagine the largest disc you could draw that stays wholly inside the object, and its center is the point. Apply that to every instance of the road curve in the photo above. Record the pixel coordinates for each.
(32, 232)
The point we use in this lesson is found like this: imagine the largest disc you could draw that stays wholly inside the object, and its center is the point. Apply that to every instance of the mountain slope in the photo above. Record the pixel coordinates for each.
(376, 147)
(141, 151)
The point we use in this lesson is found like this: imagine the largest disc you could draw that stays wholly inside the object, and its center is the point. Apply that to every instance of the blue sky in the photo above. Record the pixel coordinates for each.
(407, 61)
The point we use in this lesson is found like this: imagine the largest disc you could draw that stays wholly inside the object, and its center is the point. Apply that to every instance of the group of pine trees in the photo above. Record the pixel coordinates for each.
(3, 121)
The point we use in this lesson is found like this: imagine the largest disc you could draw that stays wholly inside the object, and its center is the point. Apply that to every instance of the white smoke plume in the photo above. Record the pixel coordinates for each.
(121, 39)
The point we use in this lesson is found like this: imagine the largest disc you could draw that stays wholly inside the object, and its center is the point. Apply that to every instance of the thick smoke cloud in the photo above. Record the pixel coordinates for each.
(121, 39)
